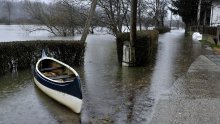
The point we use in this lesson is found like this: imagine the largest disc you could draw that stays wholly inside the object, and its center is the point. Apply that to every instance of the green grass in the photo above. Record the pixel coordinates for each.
(217, 46)
(205, 42)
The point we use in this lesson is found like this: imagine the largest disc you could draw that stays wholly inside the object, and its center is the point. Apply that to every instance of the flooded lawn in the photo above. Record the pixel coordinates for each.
(112, 94)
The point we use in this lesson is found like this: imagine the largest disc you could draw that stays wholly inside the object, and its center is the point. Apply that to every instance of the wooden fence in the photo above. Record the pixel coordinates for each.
(205, 30)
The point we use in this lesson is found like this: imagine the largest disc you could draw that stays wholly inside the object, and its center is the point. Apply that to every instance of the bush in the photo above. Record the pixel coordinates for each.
(28, 52)
(145, 46)
(163, 30)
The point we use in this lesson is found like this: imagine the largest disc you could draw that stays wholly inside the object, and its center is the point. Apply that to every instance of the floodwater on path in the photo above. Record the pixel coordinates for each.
(112, 94)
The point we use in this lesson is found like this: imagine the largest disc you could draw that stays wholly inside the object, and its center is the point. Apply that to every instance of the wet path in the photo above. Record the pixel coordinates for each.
(112, 94)
(195, 97)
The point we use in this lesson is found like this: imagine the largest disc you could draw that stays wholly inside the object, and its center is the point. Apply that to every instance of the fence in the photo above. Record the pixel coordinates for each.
(205, 30)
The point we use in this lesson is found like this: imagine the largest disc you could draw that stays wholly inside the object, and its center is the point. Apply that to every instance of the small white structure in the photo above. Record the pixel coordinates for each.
(127, 54)
(215, 13)
(197, 36)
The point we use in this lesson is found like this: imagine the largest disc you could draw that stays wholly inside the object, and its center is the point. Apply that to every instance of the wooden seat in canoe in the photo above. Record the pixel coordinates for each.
(52, 68)
(61, 77)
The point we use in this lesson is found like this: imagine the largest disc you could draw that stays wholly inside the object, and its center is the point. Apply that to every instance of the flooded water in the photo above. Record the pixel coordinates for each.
(21, 33)
(112, 94)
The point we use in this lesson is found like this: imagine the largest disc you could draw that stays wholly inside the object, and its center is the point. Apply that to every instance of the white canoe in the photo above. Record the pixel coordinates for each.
(59, 81)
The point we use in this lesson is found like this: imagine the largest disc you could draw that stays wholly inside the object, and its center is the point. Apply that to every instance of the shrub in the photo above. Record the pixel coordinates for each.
(145, 46)
(28, 52)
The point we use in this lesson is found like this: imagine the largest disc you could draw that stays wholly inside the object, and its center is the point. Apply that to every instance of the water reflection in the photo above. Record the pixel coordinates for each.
(18, 101)
(168, 51)
(12, 82)
(60, 113)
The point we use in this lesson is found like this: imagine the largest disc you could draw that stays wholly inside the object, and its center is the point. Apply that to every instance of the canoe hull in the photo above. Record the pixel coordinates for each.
(71, 102)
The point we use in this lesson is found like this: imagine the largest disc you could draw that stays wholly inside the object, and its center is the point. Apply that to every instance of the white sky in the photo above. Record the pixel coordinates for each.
(175, 17)
(46, 1)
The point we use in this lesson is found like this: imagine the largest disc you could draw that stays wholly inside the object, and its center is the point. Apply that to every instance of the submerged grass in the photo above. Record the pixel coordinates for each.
(215, 47)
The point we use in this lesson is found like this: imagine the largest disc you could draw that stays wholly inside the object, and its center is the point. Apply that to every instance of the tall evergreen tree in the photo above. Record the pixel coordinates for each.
(187, 9)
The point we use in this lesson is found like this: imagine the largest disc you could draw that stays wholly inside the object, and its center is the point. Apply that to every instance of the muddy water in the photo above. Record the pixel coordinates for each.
(112, 94)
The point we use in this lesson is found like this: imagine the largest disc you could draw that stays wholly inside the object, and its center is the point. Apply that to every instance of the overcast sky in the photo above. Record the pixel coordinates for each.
(46, 1)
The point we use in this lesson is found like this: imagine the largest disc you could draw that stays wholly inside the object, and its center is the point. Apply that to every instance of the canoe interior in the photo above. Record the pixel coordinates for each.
(56, 71)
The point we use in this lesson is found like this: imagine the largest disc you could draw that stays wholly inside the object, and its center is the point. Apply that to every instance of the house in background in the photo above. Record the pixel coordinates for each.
(215, 13)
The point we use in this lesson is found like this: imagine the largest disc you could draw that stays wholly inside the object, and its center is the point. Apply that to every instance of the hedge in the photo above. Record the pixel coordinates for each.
(145, 46)
(26, 53)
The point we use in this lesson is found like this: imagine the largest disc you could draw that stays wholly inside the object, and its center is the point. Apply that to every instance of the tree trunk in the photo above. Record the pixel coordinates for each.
(162, 21)
(171, 20)
(8, 8)
(204, 22)
(186, 29)
(9, 16)
(139, 15)
(133, 34)
(139, 20)
(198, 14)
(89, 20)
(157, 14)
(133, 22)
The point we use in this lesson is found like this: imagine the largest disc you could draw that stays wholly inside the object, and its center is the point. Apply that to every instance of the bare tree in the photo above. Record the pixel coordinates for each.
(142, 12)
(41, 13)
(60, 18)
(115, 14)
(8, 7)
(159, 10)
(163, 10)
